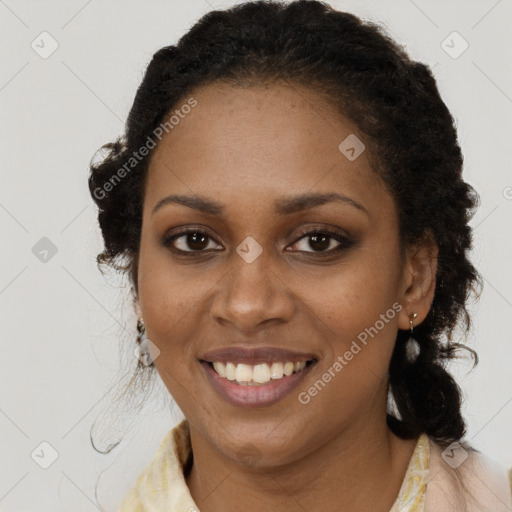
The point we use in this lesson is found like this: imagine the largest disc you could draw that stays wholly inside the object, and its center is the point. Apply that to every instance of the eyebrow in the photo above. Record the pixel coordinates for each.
(283, 206)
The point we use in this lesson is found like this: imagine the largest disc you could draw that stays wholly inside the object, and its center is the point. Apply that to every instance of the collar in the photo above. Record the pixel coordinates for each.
(161, 486)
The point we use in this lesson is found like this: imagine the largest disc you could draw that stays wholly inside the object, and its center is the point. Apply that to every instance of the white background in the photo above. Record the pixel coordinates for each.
(62, 323)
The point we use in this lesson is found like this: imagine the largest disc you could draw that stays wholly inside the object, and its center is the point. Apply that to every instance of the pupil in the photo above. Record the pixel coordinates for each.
(196, 240)
(322, 241)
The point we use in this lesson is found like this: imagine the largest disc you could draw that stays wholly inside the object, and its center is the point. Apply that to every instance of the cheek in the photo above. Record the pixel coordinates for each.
(170, 299)
(357, 311)
(169, 305)
(350, 295)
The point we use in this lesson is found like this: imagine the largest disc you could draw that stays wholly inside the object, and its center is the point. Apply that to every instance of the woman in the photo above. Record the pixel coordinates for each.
(289, 204)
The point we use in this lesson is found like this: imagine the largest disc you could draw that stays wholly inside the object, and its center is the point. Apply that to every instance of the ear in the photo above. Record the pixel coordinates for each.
(419, 281)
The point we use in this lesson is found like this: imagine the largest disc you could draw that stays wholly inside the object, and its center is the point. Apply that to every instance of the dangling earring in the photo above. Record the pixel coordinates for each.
(412, 347)
(142, 349)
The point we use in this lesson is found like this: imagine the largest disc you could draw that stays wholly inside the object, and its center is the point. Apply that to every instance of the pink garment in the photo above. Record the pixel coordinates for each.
(488, 482)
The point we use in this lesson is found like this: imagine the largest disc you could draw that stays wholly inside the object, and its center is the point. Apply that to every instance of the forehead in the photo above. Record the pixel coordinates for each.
(261, 141)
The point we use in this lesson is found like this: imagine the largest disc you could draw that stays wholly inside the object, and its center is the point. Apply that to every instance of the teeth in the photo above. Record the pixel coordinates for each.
(220, 368)
(261, 373)
(276, 370)
(243, 373)
(230, 371)
(288, 369)
(299, 366)
(254, 375)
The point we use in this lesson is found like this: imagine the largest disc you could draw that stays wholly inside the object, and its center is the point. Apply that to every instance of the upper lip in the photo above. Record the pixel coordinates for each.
(255, 355)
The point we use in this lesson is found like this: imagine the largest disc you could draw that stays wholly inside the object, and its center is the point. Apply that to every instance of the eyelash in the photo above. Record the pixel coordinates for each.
(344, 242)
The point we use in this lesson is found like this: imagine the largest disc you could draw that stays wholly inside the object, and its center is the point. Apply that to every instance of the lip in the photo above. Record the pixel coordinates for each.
(254, 396)
(255, 355)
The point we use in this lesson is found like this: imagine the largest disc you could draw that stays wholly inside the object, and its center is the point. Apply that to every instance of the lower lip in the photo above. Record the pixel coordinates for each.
(255, 396)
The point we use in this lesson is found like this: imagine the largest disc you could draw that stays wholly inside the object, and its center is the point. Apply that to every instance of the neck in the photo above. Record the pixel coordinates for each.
(360, 469)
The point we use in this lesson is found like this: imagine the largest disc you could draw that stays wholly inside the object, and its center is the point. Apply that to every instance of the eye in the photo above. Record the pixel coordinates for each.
(189, 240)
(324, 241)
(194, 240)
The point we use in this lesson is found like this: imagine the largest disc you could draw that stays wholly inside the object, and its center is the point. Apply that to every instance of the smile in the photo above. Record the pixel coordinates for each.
(259, 374)
(238, 384)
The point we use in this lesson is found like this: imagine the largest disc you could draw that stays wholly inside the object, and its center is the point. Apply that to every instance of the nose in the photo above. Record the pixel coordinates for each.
(252, 297)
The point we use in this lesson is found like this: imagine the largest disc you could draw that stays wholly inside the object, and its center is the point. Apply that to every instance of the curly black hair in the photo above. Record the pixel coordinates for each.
(412, 142)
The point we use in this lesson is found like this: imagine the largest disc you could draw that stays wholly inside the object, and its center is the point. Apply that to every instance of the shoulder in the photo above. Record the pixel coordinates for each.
(161, 484)
(467, 480)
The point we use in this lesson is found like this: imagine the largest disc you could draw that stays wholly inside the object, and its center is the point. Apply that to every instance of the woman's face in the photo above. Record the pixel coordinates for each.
(252, 278)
